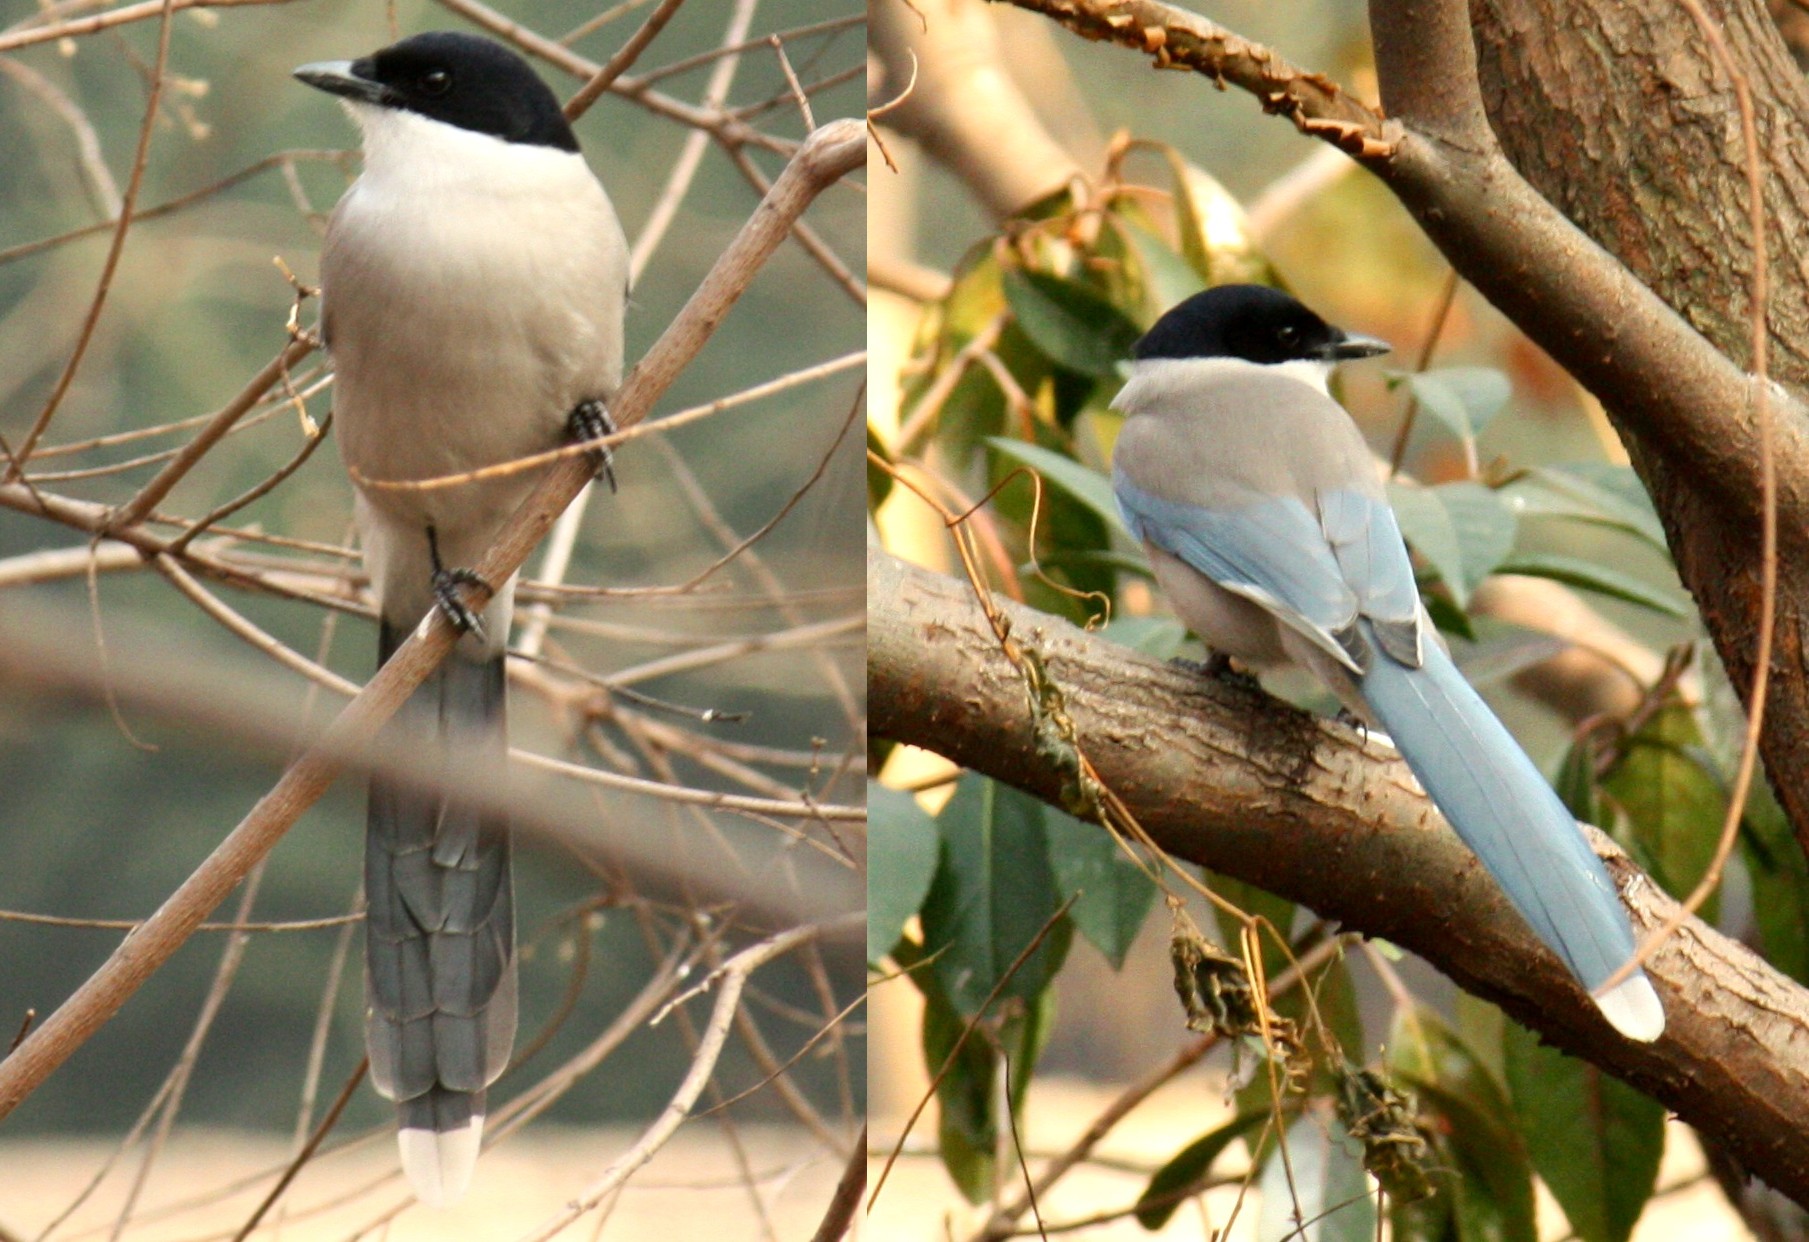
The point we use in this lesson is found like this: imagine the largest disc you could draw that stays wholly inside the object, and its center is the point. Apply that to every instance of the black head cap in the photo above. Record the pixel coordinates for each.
(1251, 322)
(461, 79)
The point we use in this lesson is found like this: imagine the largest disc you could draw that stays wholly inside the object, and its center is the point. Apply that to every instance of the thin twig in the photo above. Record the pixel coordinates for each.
(127, 203)
(732, 978)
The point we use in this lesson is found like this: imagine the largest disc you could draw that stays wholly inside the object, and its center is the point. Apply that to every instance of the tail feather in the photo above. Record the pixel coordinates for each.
(1506, 812)
(440, 929)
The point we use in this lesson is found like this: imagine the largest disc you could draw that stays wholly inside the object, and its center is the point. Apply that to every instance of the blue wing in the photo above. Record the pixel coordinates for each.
(1316, 572)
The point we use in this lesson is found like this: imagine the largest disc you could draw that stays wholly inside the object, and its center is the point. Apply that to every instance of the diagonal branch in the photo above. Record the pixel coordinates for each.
(1233, 780)
(1436, 152)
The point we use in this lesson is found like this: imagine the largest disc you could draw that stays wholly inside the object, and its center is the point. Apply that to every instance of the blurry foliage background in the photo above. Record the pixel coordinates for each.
(92, 826)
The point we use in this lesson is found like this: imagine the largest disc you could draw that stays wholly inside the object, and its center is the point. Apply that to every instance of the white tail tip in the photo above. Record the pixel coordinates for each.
(1632, 1008)
(438, 1163)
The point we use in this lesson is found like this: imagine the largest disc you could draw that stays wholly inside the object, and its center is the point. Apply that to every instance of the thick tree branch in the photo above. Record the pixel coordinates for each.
(944, 85)
(1244, 784)
(1685, 408)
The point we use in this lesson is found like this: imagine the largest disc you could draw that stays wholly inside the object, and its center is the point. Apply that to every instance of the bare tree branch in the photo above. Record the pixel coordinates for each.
(827, 155)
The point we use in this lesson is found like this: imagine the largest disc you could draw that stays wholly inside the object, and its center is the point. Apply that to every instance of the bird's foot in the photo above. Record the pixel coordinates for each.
(590, 420)
(1350, 720)
(448, 595)
(1218, 666)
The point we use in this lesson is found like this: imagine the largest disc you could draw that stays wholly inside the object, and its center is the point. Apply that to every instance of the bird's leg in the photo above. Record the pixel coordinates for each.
(1218, 666)
(590, 420)
(446, 584)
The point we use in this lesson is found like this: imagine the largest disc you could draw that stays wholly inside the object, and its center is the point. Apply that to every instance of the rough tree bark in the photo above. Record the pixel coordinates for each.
(1228, 777)
(1621, 117)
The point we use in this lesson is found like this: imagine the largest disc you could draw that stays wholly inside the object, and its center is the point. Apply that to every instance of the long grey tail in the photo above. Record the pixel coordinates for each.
(440, 928)
(1506, 812)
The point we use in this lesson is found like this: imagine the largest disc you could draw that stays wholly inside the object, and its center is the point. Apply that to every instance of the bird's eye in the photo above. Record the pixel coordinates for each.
(1287, 334)
(435, 82)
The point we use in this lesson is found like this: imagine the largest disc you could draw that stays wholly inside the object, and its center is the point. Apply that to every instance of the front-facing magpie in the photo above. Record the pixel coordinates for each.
(474, 280)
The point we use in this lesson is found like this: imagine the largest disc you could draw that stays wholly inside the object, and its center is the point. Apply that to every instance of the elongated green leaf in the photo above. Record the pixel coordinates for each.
(1488, 1189)
(1596, 492)
(1167, 275)
(1590, 576)
(1091, 488)
(1074, 326)
(1673, 799)
(1115, 894)
(1321, 1193)
(1595, 1140)
(1484, 526)
(967, 1131)
(1780, 884)
(1167, 1188)
(1462, 529)
(1502, 650)
(902, 850)
(967, 1127)
(992, 896)
(1426, 524)
(1576, 782)
(1215, 234)
(1464, 399)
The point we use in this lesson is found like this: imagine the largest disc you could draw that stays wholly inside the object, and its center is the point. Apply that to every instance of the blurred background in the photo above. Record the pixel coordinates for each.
(103, 812)
(1007, 140)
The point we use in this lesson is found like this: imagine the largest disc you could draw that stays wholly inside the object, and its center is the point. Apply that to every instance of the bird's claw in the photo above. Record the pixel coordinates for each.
(451, 603)
(590, 420)
(446, 594)
(1218, 667)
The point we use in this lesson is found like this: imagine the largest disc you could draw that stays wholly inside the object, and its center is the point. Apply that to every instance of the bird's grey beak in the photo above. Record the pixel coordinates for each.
(340, 77)
(1356, 347)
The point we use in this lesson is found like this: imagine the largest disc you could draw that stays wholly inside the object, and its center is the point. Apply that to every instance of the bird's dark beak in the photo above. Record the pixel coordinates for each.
(342, 77)
(1348, 347)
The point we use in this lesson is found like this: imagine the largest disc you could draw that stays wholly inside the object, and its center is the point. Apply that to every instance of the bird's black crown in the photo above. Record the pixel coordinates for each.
(1251, 322)
(471, 82)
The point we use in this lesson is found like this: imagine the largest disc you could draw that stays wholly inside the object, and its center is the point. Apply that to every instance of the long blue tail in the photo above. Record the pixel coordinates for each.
(1505, 811)
(440, 927)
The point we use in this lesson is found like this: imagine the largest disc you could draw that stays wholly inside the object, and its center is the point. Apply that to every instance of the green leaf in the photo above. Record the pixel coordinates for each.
(1074, 326)
(1780, 883)
(1484, 526)
(1502, 650)
(1189, 1166)
(1464, 399)
(1426, 524)
(1601, 493)
(1161, 638)
(1590, 576)
(1321, 1192)
(967, 1128)
(1666, 785)
(1088, 486)
(1462, 529)
(1215, 234)
(1023, 1036)
(992, 896)
(1167, 276)
(1595, 1140)
(1115, 894)
(1576, 782)
(879, 483)
(902, 851)
(1487, 1191)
